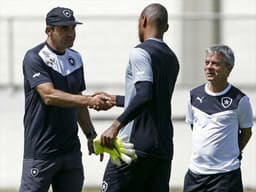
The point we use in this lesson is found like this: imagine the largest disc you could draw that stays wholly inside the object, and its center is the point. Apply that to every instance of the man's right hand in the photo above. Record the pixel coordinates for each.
(105, 101)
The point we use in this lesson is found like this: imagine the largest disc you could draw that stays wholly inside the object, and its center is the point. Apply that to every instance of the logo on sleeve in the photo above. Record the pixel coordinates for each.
(226, 102)
(36, 75)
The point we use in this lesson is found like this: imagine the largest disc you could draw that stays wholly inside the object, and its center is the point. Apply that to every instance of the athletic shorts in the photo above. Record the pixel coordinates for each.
(221, 182)
(143, 174)
(64, 174)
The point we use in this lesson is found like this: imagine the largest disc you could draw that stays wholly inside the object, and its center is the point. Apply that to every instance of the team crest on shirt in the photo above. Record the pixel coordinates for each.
(104, 186)
(34, 172)
(226, 102)
(71, 61)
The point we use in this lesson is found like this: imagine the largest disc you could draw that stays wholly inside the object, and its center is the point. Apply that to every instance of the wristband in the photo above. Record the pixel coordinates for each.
(91, 134)
(119, 101)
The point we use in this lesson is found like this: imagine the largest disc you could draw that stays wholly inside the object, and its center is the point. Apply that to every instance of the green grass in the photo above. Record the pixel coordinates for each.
(98, 190)
(172, 190)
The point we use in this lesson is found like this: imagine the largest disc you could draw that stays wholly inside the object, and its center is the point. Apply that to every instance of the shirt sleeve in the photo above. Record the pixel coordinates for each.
(142, 97)
(140, 62)
(245, 114)
(35, 71)
(189, 112)
(83, 84)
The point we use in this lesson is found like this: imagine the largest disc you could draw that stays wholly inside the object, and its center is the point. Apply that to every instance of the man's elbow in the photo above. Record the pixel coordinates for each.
(46, 92)
(48, 99)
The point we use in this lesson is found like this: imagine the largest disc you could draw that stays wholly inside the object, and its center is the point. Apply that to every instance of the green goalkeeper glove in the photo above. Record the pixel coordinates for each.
(125, 148)
(114, 154)
(122, 150)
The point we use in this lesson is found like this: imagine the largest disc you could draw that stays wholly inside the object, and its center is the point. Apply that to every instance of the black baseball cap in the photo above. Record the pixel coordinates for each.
(61, 16)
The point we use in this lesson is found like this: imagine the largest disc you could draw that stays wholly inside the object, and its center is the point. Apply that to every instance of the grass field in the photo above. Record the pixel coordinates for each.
(172, 190)
(98, 190)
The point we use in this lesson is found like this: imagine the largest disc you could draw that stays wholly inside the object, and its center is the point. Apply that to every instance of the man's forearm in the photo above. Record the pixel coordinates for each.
(85, 123)
(55, 97)
(63, 99)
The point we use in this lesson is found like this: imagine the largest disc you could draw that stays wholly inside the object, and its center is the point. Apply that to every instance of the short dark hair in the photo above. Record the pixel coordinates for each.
(157, 14)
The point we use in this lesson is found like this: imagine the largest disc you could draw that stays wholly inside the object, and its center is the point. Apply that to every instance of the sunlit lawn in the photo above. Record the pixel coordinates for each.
(172, 190)
(98, 190)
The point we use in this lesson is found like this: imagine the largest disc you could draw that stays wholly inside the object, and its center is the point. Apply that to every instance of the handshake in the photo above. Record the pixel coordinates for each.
(121, 151)
(101, 101)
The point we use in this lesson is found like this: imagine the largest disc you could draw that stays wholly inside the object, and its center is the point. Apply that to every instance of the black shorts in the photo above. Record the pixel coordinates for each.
(224, 182)
(65, 174)
(144, 174)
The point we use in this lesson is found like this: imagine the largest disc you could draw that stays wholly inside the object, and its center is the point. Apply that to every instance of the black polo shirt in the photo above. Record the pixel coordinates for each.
(50, 131)
(153, 129)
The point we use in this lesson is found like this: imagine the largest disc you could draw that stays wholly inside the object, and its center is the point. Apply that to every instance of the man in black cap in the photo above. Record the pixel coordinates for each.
(53, 85)
(61, 16)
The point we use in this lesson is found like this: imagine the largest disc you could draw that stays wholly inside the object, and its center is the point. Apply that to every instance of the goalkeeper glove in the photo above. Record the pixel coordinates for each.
(114, 154)
(122, 150)
(125, 148)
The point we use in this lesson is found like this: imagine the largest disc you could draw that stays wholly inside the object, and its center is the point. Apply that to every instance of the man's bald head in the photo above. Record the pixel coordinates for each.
(157, 16)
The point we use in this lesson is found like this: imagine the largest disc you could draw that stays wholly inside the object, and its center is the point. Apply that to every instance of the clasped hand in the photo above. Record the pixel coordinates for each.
(102, 101)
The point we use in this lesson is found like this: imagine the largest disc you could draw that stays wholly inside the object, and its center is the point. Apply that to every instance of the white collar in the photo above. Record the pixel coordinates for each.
(227, 88)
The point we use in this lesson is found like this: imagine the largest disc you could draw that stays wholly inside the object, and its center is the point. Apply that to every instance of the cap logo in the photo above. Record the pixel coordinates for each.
(67, 13)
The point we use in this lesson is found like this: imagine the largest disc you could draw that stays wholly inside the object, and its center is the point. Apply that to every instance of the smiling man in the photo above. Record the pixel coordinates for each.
(221, 119)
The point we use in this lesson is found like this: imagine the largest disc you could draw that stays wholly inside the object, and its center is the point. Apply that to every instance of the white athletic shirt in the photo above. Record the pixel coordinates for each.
(216, 119)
